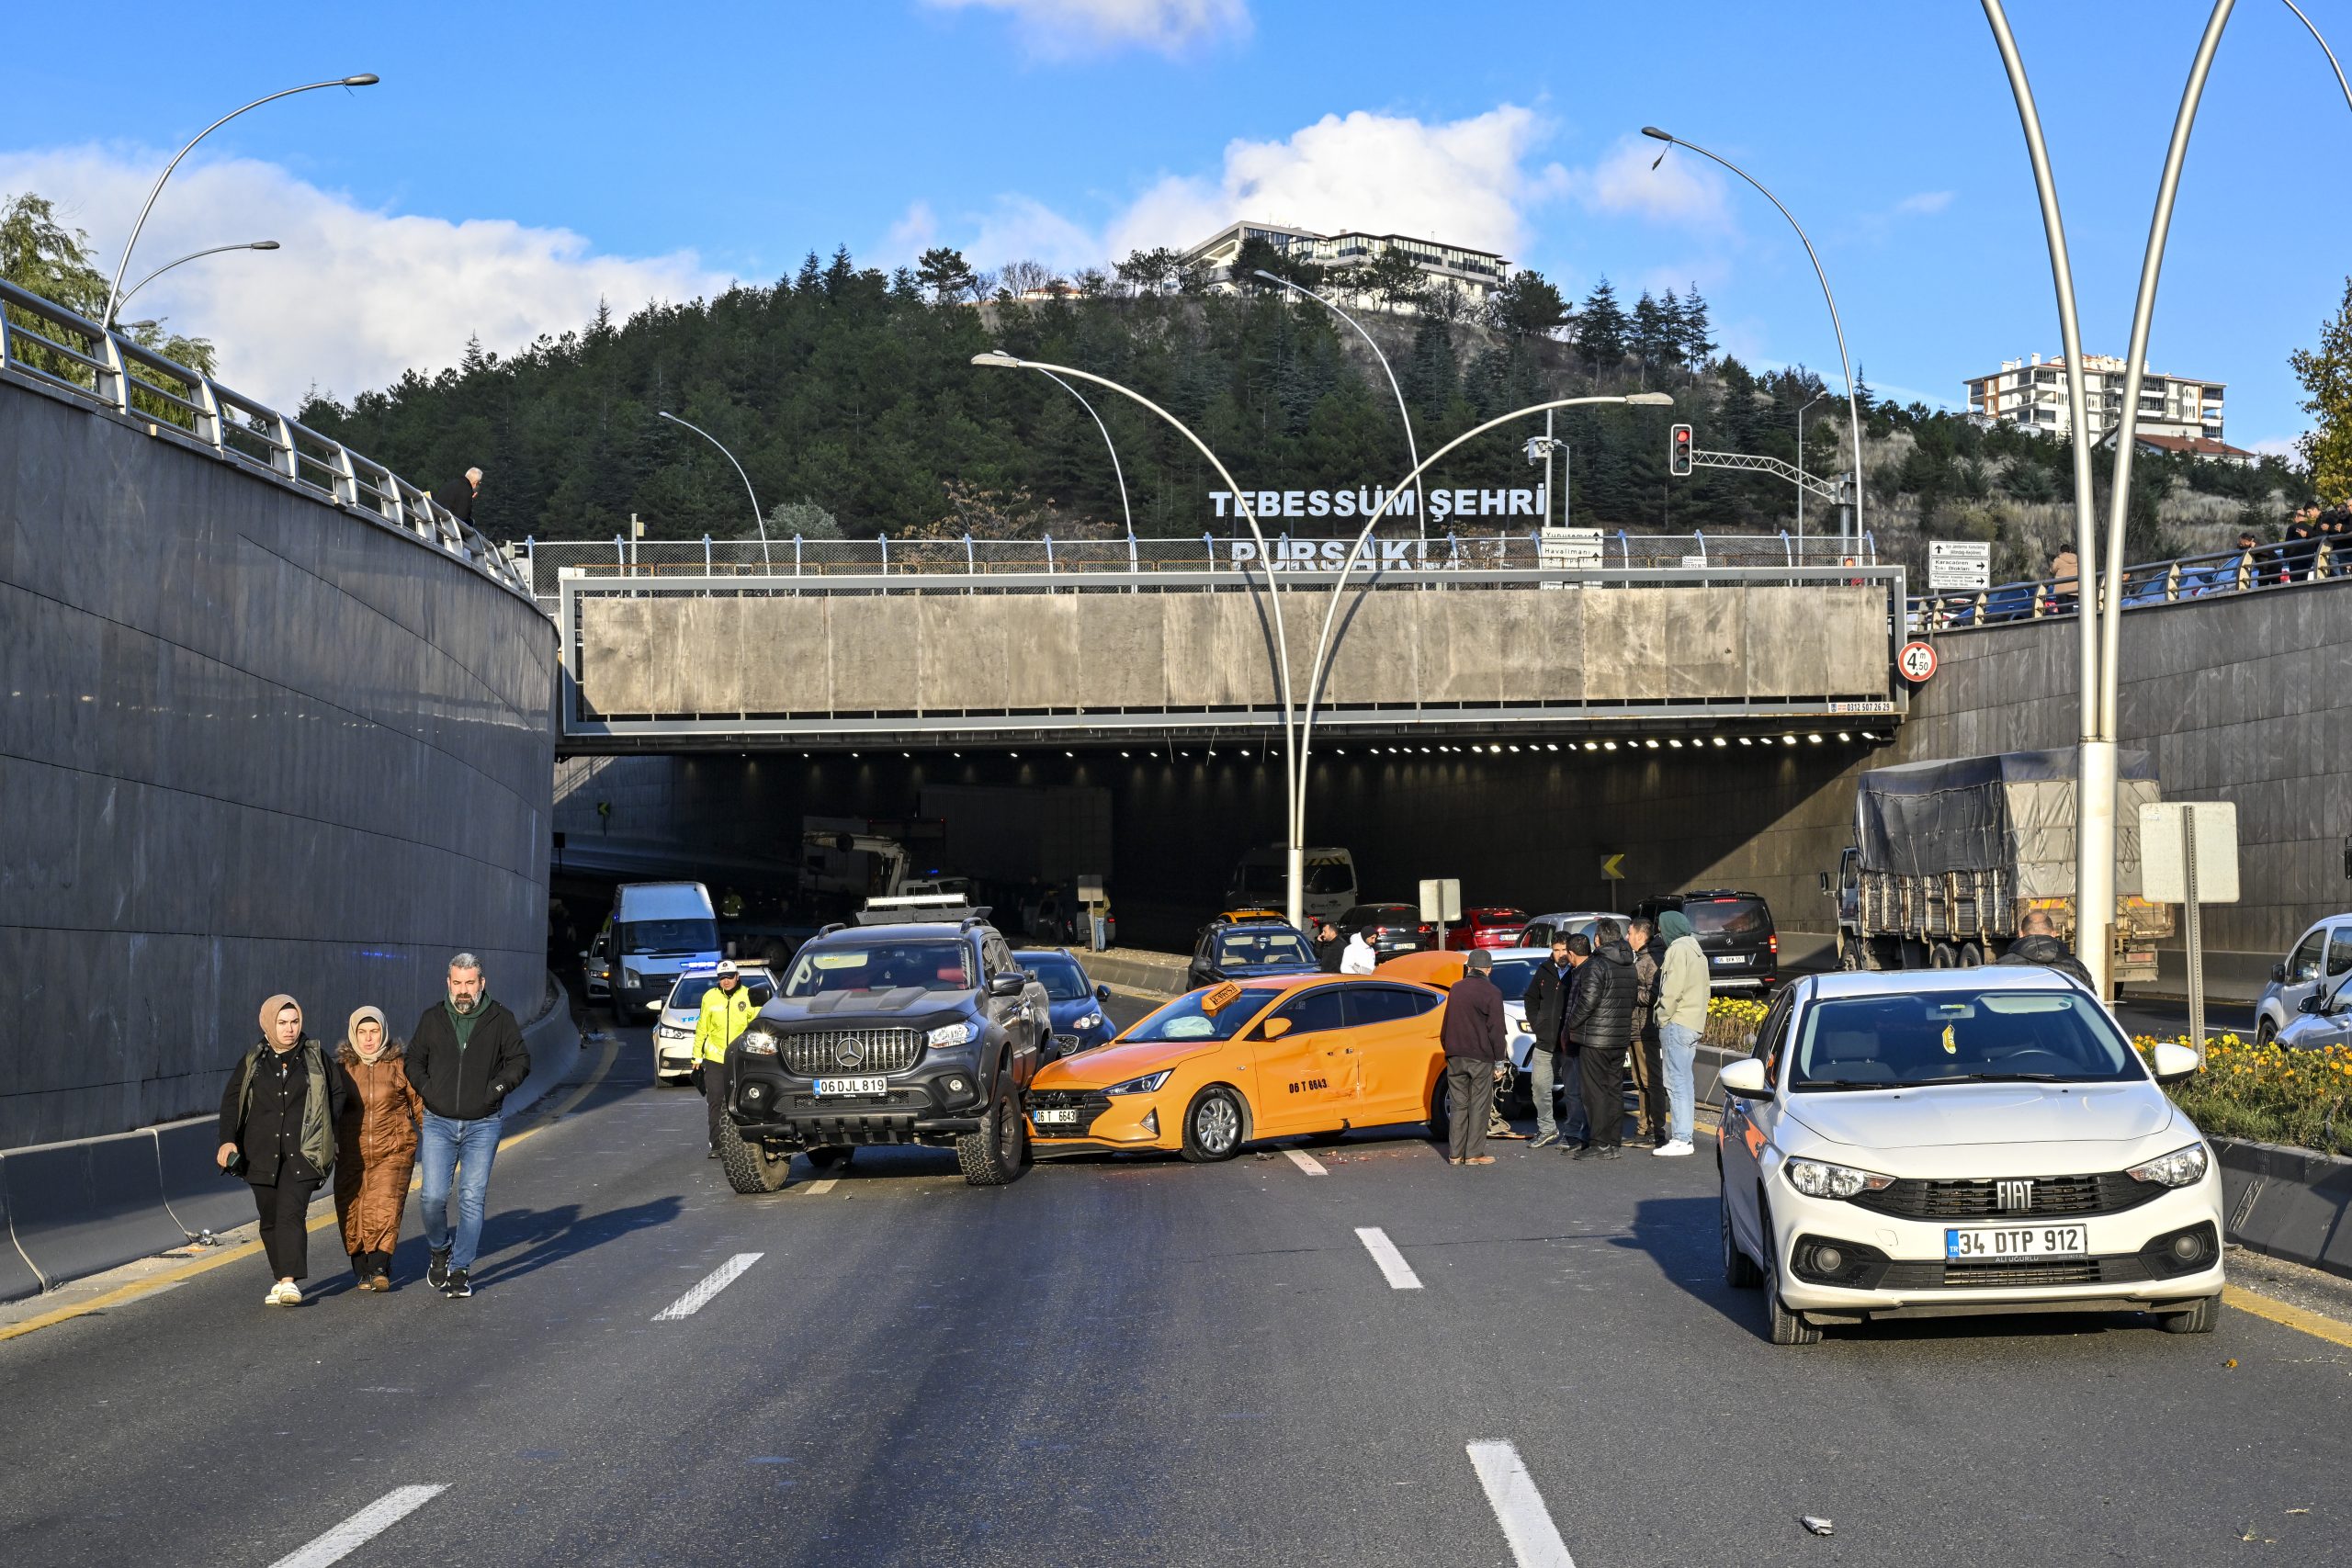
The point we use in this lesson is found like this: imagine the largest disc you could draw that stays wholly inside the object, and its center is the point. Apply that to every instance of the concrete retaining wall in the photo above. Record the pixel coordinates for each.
(1184, 651)
(251, 743)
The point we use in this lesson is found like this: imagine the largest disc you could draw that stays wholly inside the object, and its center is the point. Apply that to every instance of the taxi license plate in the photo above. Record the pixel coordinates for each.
(852, 1085)
(1056, 1118)
(1983, 1243)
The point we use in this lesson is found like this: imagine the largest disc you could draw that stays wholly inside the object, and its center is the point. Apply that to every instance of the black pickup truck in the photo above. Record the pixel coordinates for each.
(922, 1030)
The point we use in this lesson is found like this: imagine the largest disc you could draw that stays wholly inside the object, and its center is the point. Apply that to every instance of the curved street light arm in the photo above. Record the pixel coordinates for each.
(1116, 471)
(114, 291)
(1330, 611)
(1294, 777)
(192, 255)
(758, 520)
(1412, 450)
(2325, 50)
(1853, 409)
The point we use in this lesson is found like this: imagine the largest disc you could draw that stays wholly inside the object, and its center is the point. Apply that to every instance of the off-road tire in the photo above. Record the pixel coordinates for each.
(749, 1168)
(1740, 1270)
(2201, 1318)
(997, 1153)
(1215, 1125)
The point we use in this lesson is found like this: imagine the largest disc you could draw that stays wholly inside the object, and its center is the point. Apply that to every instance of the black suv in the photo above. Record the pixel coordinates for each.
(917, 1032)
(1735, 931)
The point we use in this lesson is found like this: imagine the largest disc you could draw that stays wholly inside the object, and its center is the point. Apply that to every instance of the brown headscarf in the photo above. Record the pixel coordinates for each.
(269, 1012)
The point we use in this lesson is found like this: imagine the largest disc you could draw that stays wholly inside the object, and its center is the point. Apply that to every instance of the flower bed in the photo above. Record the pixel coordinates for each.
(1731, 1021)
(2269, 1094)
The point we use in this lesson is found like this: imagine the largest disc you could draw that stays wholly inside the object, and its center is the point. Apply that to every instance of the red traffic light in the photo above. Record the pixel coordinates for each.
(1679, 454)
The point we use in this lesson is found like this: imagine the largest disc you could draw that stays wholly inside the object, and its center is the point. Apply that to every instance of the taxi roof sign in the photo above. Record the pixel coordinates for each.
(1222, 995)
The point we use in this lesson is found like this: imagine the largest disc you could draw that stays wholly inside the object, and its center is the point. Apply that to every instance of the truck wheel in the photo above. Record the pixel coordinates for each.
(1941, 957)
(1970, 956)
(748, 1166)
(995, 1155)
(1850, 955)
(1212, 1125)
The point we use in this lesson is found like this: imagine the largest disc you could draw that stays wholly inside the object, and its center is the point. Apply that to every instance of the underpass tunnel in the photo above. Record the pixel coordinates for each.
(1539, 822)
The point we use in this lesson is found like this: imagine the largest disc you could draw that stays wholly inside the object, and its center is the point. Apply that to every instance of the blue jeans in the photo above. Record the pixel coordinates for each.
(1677, 1046)
(465, 1150)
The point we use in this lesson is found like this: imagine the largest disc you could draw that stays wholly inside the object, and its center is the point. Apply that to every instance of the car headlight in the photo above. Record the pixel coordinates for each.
(2182, 1167)
(756, 1043)
(1819, 1179)
(631, 978)
(1091, 1021)
(1148, 1084)
(962, 1034)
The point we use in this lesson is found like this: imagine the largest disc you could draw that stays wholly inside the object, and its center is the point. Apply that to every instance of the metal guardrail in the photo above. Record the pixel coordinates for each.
(545, 561)
(2264, 567)
(55, 348)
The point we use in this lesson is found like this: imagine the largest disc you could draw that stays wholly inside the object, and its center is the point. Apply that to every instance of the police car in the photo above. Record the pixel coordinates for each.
(674, 1034)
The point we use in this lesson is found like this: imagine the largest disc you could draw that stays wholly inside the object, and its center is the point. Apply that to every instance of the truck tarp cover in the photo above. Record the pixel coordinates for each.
(2016, 809)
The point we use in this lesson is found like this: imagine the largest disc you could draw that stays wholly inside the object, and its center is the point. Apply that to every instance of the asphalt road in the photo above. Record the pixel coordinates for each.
(1130, 1360)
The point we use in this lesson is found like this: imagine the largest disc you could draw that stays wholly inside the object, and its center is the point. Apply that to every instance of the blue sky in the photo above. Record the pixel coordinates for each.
(520, 160)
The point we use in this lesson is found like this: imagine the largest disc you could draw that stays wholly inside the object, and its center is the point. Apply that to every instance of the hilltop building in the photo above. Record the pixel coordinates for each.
(2034, 393)
(1473, 272)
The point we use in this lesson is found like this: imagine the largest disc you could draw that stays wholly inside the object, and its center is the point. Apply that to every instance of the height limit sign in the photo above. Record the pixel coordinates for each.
(1918, 661)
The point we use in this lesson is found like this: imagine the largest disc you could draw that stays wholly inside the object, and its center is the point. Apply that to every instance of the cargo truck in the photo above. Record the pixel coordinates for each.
(1949, 856)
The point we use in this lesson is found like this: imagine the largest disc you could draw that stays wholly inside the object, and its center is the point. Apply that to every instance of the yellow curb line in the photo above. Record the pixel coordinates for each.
(139, 1290)
(2295, 1317)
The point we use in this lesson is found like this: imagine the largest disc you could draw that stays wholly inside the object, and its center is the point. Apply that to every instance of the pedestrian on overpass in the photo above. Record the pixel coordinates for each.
(375, 1139)
(1471, 1032)
(1683, 987)
(465, 1057)
(277, 1118)
(1601, 1021)
(1546, 1001)
(1649, 1079)
(726, 1011)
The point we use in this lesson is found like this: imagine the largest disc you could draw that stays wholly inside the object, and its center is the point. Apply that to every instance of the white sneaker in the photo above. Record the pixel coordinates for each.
(284, 1293)
(1673, 1150)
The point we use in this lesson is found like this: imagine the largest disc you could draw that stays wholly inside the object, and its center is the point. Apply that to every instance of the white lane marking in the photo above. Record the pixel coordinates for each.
(717, 1279)
(1392, 1262)
(819, 1189)
(1519, 1507)
(1307, 1162)
(368, 1522)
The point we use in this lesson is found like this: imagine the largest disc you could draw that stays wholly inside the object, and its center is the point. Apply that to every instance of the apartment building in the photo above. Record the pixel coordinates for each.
(1473, 272)
(2034, 393)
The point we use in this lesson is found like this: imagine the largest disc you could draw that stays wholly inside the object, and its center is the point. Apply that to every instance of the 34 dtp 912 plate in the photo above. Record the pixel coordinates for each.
(1984, 1244)
(852, 1085)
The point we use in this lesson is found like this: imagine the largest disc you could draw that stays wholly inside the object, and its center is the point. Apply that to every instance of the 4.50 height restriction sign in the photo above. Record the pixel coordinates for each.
(1918, 661)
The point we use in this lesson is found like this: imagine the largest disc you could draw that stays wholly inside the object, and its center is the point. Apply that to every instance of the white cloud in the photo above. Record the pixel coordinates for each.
(915, 232)
(357, 296)
(1059, 29)
(1683, 190)
(1925, 204)
(1465, 181)
(1020, 227)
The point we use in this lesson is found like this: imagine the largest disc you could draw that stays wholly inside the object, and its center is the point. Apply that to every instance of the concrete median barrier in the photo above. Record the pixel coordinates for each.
(1138, 969)
(78, 1208)
(17, 1280)
(553, 1041)
(2288, 1202)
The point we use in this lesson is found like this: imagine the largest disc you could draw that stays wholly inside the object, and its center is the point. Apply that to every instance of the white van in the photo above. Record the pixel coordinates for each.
(657, 930)
(1261, 879)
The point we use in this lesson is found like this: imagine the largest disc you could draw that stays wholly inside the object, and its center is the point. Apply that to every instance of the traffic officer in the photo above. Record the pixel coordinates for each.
(726, 1011)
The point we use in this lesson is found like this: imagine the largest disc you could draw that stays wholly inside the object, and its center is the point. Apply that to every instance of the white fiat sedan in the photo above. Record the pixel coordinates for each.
(1961, 1141)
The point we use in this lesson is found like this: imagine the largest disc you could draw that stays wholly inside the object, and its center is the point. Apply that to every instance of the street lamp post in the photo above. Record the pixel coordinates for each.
(1854, 409)
(1412, 452)
(114, 292)
(758, 520)
(1293, 780)
(1801, 413)
(216, 249)
(1115, 472)
(1315, 667)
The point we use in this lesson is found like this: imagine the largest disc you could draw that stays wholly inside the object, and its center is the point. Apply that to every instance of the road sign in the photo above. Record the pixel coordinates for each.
(1918, 661)
(1440, 899)
(1612, 867)
(2189, 857)
(1959, 566)
(1568, 549)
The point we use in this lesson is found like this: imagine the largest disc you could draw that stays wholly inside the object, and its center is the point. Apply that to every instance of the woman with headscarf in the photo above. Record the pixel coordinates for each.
(277, 1119)
(375, 1142)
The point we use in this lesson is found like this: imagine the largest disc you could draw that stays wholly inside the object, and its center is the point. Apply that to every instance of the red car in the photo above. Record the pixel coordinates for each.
(1493, 926)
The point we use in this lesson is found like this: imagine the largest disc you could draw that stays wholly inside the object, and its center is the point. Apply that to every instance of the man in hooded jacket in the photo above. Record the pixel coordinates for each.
(2038, 944)
(1601, 1019)
(1683, 987)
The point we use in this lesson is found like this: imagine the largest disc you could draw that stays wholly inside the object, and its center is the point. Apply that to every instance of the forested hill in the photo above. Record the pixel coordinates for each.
(849, 397)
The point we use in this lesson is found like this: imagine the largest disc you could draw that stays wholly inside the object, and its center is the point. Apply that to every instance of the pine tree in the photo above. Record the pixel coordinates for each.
(1648, 337)
(1697, 348)
(2326, 375)
(1600, 328)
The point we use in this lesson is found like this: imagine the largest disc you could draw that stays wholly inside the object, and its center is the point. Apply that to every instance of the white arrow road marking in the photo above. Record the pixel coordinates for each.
(1307, 1162)
(719, 1279)
(1519, 1507)
(1392, 1262)
(368, 1523)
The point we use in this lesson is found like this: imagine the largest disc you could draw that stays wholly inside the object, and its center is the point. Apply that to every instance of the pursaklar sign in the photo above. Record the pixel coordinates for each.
(1276, 506)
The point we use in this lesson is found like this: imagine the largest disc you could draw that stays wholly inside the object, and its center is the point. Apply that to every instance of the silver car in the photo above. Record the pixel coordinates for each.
(673, 1033)
(1545, 929)
(2319, 962)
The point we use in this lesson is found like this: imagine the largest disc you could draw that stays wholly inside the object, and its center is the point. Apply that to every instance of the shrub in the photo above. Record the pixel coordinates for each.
(2268, 1093)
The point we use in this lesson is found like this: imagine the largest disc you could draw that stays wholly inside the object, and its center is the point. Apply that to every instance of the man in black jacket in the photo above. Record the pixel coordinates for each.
(466, 1056)
(1600, 1020)
(2038, 944)
(1546, 1000)
(1472, 1034)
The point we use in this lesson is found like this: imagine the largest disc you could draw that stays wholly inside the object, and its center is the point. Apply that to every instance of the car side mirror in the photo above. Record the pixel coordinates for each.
(2313, 1003)
(2279, 973)
(2172, 1062)
(1102, 992)
(1011, 983)
(1825, 882)
(1275, 1029)
(1746, 1079)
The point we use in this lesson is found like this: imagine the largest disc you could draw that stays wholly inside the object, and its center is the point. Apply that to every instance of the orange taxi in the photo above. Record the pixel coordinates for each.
(1249, 1059)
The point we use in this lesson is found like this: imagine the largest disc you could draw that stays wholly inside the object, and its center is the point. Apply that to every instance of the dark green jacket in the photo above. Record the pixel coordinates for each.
(268, 1126)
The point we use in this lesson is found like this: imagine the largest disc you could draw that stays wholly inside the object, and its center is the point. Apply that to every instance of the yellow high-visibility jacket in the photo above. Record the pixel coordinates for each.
(723, 1018)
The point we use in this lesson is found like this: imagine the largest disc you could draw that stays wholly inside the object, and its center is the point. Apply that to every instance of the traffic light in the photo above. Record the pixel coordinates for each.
(1678, 455)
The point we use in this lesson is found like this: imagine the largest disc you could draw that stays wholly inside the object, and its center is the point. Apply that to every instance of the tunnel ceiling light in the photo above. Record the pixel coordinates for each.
(1069, 754)
(1609, 744)
(1425, 750)
(1676, 742)
(1721, 741)
(1815, 738)
(1122, 753)
(1651, 743)
(1245, 750)
(1514, 751)
(1843, 735)
(1788, 739)
(1746, 741)
(1551, 746)
(1870, 735)
(1592, 745)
